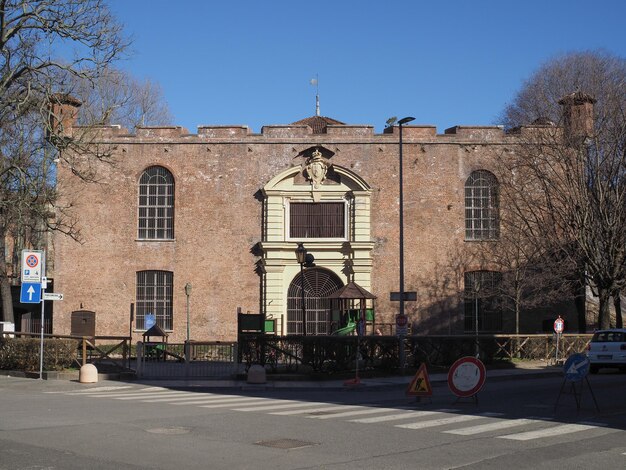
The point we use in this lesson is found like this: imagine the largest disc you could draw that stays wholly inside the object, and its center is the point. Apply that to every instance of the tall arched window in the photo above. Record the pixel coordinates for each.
(482, 206)
(156, 204)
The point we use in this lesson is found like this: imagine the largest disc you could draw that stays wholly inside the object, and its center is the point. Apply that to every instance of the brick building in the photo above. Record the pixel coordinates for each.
(223, 210)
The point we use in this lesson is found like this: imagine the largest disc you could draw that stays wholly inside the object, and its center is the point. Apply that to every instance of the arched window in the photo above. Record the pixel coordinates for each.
(156, 204)
(483, 301)
(482, 206)
(318, 285)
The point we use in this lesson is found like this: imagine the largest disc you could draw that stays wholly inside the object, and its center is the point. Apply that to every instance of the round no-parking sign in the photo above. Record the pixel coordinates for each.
(466, 377)
(559, 325)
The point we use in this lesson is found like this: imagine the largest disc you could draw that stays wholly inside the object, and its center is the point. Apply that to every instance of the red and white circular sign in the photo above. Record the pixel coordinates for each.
(559, 325)
(466, 376)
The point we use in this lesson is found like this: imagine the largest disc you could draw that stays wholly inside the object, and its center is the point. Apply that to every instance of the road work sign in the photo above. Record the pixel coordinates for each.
(420, 385)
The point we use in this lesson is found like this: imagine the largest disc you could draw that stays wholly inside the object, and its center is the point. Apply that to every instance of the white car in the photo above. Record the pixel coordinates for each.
(607, 349)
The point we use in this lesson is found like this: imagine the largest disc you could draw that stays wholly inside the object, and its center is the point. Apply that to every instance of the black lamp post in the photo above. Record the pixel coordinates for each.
(401, 315)
(187, 293)
(401, 122)
(301, 257)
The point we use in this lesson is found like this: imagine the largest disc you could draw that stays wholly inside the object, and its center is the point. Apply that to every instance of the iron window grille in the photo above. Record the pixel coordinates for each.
(317, 220)
(154, 296)
(482, 206)
(156, 204)
(318, 285)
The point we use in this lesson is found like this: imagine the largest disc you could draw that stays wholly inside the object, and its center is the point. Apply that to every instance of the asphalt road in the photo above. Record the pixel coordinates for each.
(112, 425)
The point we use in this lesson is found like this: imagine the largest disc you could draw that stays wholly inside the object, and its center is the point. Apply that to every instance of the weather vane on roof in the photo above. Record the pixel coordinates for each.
(315, 83)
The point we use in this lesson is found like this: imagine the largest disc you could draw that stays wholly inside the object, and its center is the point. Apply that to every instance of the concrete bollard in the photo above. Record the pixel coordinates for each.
(88, 374)
(256, 374)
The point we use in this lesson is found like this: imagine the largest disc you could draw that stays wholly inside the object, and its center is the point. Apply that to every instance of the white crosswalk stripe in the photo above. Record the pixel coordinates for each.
(362, 411)
(495, 426)
(399, 416)
(227, 403)
(312, 410)
(278, 404)
(443, 421)
(552, 431)
(94, 390)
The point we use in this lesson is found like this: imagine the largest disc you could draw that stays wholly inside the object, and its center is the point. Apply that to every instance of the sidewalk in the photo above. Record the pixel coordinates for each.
(525, 369)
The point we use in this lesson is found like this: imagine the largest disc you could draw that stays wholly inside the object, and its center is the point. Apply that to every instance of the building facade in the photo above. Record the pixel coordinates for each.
(222, 212)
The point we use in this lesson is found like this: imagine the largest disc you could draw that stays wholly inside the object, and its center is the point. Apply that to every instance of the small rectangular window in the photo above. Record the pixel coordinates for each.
(317, 220)
(154, 298)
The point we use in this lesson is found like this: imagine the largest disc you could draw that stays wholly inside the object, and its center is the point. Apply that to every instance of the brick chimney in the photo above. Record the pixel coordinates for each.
(577, 115)
(62, 112)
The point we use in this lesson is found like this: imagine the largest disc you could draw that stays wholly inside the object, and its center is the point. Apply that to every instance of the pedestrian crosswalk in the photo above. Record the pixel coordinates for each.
(449, 421)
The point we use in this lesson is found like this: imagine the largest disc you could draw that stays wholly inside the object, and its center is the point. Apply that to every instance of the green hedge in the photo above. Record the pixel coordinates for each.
(23, 354)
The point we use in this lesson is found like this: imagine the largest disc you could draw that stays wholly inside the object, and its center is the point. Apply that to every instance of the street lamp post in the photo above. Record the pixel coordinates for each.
(401, 122)
(301, 257)
(187, 293)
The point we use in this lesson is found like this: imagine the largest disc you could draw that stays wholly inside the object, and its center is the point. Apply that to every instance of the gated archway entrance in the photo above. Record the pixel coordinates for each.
(318, 285)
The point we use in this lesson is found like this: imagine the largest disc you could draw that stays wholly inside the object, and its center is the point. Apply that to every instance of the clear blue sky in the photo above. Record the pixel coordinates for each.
(446, 63)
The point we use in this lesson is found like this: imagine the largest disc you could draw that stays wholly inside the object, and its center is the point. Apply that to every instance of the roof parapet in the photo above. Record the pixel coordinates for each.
(161, 131)
(286, 131)
(350, 130)
(421, 130)
(476, 132)
(223, 131)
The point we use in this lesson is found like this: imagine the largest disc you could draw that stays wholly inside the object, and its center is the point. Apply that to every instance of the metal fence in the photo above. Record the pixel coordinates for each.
(334, 354)
(192, 360)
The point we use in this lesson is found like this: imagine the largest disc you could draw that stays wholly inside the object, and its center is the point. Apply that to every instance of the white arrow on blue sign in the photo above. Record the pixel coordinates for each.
(30, 293)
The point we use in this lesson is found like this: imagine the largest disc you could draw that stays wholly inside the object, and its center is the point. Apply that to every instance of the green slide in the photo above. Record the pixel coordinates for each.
(346, 330)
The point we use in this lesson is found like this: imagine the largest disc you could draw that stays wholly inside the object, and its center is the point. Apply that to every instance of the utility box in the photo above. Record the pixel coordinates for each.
(83, 323)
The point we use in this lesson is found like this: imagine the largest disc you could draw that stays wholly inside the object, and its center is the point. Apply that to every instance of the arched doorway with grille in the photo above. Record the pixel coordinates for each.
(318, 285)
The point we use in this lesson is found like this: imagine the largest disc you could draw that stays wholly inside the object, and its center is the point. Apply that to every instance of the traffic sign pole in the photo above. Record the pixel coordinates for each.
(559, 326)
(44, 283)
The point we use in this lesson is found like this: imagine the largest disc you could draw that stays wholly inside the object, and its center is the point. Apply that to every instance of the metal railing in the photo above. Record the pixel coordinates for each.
(186, 360)
(334, 354)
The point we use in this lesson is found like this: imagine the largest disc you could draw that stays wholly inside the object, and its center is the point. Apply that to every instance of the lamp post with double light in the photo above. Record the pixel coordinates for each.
(301, 257)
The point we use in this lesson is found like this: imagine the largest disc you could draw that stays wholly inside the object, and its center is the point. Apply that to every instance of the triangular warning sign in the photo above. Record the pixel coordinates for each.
(420, 385)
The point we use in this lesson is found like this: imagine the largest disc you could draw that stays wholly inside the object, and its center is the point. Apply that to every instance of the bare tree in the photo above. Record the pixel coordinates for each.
(115, 97)
(43, 43)
(569, 170)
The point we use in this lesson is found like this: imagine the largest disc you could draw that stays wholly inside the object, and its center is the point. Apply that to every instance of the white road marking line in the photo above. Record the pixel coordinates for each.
(130, 394)
(312, 410)
(94, 390)
(190, 396)
(224, 405)
(113, 393)
(548, 432)
(407, 415)
(498, 425)
(222, 399)
(443, 421)
(145, 396)
(366, 411)
(283, 404)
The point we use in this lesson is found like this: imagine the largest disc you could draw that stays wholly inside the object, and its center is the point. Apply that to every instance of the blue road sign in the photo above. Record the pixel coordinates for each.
(576, 367)
(30, 293)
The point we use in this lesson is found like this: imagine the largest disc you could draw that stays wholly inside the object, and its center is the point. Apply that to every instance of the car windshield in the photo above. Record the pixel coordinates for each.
(608, 336)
